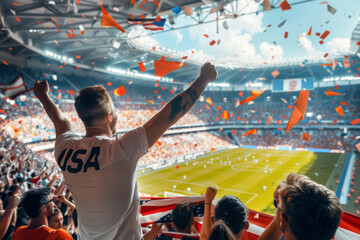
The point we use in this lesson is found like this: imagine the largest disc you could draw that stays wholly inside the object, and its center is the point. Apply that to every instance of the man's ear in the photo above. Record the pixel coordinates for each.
(246, 227)
(43, 209)
(108, 117)
(283, 221)
(213, 219)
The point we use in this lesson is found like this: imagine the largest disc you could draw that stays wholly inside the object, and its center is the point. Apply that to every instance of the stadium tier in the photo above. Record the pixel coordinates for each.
(204, 120)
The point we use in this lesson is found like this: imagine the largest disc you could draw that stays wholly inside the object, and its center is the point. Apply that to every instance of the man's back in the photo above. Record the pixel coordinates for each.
(41, 233)
(100, 173)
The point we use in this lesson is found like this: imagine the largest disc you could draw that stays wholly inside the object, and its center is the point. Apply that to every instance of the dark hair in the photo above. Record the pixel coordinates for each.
(221, 231)
(56, 212)
(182, 216)
(313, 211)
(34, 199)
(93, 103)
(233, 212)
(32, 175)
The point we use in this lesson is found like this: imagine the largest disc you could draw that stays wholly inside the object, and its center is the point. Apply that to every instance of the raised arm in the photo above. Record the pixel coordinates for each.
(61, 124)
(14, 201)
(207, 225)
(179, 105)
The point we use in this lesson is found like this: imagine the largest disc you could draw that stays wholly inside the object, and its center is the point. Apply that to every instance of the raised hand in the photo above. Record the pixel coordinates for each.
(208, 72)
(210, 194)
(41, 88)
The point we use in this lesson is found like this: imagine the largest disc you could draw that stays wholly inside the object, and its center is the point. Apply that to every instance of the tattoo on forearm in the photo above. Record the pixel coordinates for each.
(192, 93)
(176, 108)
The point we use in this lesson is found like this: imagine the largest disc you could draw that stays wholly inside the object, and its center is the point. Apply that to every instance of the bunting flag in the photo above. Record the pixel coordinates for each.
(15, 88)
(299, 110)
(151, 207)
(152, 24)
(108, 21)
(306, 137)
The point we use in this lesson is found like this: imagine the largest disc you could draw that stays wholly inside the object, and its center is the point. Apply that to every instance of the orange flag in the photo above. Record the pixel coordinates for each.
(299, 109)
(164, 67)
(208, 100)
(254, 95)
(212, 150)
(339, 110)
(250, 132)
(330, 93)
(120, 91)
(108, 21)
(306, 137)
(355, 121)
(225, 115)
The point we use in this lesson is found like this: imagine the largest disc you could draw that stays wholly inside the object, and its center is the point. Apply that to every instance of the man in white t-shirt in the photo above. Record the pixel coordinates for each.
(99, 168)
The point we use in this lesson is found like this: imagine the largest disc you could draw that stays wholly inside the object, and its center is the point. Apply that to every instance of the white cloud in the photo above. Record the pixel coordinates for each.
(271, 52)
(307, 46)
(179, 37)
(338, 46)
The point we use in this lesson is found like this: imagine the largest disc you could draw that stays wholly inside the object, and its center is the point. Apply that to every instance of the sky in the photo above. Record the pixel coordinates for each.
(250, 38)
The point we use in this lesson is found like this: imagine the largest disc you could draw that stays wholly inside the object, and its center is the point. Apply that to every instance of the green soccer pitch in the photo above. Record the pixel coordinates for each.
(250, 174)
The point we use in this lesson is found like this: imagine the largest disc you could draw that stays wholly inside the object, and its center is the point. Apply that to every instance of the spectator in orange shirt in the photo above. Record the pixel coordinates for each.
(38, 205)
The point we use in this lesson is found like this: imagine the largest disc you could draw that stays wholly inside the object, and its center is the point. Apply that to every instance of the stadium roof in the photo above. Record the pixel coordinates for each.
(33, 32)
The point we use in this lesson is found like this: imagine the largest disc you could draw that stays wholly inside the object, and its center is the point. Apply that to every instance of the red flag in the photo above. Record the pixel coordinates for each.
(299, 109)
(108, 21)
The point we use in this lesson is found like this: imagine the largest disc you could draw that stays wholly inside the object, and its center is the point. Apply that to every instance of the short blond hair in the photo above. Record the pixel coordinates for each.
(93, 103)
(313, 211)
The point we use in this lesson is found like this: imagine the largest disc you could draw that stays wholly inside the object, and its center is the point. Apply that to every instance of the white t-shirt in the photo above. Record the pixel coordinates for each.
(100, 173)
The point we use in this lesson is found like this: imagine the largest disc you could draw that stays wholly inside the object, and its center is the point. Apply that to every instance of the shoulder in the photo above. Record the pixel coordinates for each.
(60, 234)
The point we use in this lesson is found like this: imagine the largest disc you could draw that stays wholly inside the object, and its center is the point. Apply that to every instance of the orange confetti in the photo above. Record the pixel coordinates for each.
(269, 120)
(286, 35)
(250, 132)
(241, 93)
(141, 66)
(72, 92)
(299, 109)
(164, 67)
(208, 100)
(339, 110)
(254, 95)
(285, 6)
(225, 115)
(74, 119)
(355, 121)
(325, 34)
(212, 150)
(4, 62)
(156, 91)
(344, 103)
(306, 137)
(133, 2)
(162, 103)
(149, 101)
(336, 87)
(330, 93)
(335, 121)
(275, 73)
(17, 19)
(219, 108)
(205, 35)
(212, 42)
(309, 32)
(109, 84)
(120, 91)
(108, 21)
